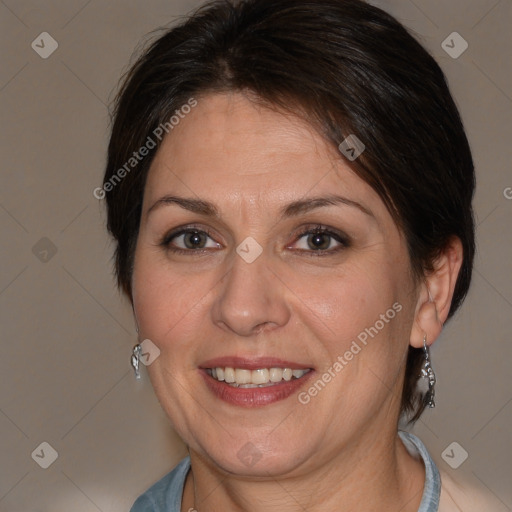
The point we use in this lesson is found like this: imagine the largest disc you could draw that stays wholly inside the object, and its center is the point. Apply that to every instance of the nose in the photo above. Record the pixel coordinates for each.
(251, 299)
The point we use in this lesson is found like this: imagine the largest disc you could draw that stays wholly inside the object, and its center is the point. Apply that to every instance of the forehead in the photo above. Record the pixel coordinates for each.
(223, 121)
(231, 147)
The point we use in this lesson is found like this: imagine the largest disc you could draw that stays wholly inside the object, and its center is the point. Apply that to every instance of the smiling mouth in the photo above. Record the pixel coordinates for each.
(260, 378)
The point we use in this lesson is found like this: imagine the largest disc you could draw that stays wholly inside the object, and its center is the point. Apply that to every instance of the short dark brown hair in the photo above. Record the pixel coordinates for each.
(347, 68)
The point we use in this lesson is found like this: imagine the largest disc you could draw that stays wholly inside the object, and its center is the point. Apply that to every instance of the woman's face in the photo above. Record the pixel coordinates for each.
(230, 273)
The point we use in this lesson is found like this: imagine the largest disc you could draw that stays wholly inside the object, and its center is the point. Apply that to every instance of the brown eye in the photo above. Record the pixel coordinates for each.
(321, 240)
(194, 239)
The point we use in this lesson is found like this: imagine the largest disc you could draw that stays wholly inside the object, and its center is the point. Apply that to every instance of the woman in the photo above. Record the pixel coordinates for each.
(289, 186)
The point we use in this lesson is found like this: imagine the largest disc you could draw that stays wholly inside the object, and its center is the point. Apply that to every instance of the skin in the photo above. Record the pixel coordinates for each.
(290, 303)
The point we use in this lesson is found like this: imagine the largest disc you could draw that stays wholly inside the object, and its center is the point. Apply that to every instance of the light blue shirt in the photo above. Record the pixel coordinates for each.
(165, 495)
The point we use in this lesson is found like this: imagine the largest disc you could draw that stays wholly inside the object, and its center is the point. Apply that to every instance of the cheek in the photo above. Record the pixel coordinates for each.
(347, 300)
(362, 335)
(165, 300)
(358, 319)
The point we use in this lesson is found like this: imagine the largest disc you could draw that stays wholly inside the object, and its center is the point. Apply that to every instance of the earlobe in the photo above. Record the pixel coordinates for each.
(435, 297)
(426, 324)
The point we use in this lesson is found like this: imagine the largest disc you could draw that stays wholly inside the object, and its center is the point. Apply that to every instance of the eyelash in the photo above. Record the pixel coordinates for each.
(309, 230)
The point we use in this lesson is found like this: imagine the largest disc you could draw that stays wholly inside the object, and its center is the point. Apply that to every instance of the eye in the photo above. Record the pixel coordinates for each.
(316, 240)
(189, 240)
(322, 240)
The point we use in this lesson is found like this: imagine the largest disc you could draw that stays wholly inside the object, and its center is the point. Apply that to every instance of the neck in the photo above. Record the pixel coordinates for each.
(375, 471)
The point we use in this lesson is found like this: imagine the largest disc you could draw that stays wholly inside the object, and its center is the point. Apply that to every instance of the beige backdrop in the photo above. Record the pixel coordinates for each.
(67, 335)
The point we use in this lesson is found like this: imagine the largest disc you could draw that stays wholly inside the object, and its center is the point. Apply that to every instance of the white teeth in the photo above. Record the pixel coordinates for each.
(229, 374)
(241, 377)
(276, 374)
(260, 376)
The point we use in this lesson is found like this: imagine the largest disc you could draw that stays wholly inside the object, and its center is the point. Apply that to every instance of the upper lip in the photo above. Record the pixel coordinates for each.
(252, 363)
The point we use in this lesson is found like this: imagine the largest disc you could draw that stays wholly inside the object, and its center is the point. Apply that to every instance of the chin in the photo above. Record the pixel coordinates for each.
(253, 459)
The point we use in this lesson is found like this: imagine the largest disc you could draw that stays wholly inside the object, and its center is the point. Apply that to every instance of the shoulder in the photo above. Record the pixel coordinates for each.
(459, 495)
(164, 495)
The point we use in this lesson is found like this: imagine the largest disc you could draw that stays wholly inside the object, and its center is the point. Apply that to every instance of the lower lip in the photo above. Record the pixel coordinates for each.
(254, 397)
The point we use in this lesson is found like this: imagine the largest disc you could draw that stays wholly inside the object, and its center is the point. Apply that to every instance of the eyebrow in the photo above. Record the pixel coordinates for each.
(292, 209)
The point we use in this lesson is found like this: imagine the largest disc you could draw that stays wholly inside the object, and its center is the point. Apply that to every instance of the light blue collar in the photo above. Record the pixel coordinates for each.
(432, 489)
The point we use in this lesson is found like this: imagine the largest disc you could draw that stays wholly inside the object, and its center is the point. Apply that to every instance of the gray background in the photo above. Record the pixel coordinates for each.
(67, 335)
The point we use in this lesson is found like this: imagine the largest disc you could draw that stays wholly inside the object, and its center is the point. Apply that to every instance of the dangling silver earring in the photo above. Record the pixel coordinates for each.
(136, 359)
(427, 372)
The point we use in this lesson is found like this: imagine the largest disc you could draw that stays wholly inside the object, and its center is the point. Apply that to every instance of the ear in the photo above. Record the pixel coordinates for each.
(436, 293)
